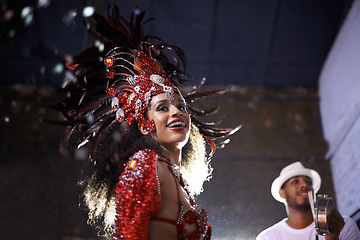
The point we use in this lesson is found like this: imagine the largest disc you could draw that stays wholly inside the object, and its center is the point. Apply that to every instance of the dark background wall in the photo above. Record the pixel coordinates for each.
(271, 43)
(271, 52)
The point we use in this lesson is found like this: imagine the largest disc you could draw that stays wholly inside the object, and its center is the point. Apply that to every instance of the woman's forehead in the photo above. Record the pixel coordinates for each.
(162, 97)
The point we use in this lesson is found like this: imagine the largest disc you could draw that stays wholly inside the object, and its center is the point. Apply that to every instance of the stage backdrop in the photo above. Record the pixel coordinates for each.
(340, 111)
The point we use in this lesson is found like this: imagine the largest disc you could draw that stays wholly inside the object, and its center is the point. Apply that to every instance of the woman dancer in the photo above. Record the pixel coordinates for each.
(148, 149)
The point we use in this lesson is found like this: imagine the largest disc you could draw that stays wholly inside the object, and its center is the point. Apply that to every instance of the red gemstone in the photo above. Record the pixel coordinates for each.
(109, 61)
(111, 90)
(132, 164)
(110, 74)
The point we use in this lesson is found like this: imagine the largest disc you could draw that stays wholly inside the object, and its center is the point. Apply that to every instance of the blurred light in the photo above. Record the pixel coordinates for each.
(69, 77)
(88, 11)
(100, 45)
(69, 17)
(68, 58)
(87, 25)
(12, 33)
(42, 70)
(7, 119)
(137, 11)
(26, 11)
(90, 118)
(29, 20)
(81, 154)
(58, 68)
(43, 3)
(27, 15)
(8, 15)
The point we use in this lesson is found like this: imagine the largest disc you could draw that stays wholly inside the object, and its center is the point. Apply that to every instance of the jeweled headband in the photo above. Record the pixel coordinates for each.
(133, 78)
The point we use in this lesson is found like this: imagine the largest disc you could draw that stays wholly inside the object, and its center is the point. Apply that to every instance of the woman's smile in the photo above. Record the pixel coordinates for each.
(177, 125)
(172, 121)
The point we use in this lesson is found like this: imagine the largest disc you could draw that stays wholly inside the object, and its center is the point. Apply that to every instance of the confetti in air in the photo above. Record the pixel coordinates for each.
(100, 45)
(43, 3)
(27, 14)
(8, 15)
(68, 19)
(88, 11)
(58, 68)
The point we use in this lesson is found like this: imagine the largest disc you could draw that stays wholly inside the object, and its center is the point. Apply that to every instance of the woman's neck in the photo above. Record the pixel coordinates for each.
(173, 155)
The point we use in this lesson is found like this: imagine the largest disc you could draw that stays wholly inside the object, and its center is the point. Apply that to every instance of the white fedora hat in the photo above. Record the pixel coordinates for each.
(290, 171)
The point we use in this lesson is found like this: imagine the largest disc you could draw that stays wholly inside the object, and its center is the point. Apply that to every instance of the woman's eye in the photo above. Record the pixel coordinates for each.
(182, 108)
(161, 108)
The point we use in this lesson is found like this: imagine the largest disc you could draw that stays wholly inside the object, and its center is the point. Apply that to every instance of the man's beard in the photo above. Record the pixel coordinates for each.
(302, 207)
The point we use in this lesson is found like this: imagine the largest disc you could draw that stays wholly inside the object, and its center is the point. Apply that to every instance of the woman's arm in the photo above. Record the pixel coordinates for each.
(137, 197)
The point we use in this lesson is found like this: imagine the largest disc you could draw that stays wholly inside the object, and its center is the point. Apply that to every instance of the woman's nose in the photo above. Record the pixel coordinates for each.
(175, 111)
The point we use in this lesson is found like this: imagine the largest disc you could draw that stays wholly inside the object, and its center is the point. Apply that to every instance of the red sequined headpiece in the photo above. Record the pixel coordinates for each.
(133, 78)
(137, 67)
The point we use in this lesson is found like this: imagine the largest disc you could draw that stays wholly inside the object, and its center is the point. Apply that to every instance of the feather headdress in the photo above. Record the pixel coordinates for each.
(117, 83)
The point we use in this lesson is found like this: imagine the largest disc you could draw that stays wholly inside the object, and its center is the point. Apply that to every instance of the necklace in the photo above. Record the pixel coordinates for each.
(176, 171)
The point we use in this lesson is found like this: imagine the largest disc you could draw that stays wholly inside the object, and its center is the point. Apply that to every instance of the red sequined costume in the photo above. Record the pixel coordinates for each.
(138, 200)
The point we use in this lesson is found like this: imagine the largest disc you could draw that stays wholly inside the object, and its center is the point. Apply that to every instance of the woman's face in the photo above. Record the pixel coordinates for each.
(172, 121)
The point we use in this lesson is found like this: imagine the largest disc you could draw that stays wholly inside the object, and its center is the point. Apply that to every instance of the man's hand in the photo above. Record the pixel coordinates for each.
(336, 223)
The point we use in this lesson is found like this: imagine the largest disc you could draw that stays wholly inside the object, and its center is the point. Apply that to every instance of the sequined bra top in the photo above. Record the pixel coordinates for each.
(138, 199)
(189, 216)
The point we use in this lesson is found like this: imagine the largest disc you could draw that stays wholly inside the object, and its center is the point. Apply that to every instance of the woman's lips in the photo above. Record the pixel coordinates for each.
(175, 125)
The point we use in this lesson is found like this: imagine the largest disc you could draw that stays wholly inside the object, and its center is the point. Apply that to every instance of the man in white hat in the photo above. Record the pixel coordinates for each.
(291, 188)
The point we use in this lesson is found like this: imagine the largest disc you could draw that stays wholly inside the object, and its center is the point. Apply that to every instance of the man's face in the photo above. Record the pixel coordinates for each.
(295, 191)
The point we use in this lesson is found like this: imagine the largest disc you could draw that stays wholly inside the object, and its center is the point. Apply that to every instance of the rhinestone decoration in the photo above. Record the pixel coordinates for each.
(115, 103)
(189, 216)
(157, 79)
(120, 114)
(133, 83)
(109, 61)
(110, 74)
(137, 196)
(138, 199)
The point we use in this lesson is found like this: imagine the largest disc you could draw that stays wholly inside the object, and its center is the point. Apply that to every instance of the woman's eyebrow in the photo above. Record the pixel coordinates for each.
(159, 102)
(167, 101)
